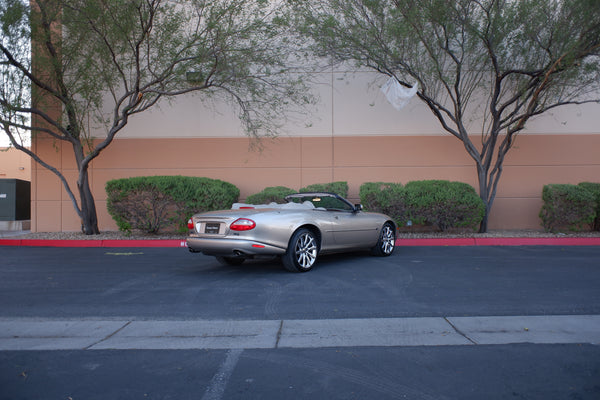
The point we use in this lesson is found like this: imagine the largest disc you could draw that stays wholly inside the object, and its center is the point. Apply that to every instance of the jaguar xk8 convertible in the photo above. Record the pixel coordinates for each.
(308, 225)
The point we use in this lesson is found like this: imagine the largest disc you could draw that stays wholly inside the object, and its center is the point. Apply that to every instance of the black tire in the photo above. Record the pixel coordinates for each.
(387, 241)
(230, 260)
(302, 251)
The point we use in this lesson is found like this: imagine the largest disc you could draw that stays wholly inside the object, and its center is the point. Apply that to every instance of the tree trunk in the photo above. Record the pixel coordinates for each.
(484, 195)
(483, 227)
(89, 217)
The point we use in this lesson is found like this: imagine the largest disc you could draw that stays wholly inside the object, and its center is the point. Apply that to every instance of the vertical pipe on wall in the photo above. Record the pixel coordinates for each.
(332, 124)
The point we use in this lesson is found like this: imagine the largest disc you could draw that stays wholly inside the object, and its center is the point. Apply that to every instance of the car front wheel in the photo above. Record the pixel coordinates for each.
(302, 251)
(387, 241)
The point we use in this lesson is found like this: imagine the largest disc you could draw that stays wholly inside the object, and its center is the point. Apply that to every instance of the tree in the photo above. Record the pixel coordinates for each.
(483, 67)
(101, 62)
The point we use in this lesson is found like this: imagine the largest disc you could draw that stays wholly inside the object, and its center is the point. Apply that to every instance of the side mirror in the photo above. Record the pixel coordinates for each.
(358, 207)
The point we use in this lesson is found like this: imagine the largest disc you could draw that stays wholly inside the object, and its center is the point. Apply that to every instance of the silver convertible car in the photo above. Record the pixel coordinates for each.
(308, 225)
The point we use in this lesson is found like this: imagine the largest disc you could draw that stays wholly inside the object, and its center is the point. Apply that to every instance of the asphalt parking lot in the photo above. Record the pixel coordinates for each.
(428, 322)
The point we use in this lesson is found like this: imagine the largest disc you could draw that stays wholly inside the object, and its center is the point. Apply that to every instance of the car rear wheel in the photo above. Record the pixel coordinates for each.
(387, 241)
(230, 260)
(302, 251)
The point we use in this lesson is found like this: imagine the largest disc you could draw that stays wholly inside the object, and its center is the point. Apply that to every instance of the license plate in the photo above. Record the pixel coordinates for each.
(212, 228)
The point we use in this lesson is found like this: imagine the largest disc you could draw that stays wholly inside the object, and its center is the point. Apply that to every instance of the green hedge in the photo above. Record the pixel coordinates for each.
(431, 202)
(444, 204)
(273, 194)
(152, 203)
(567, 206)
(386, 198)
(340, 188)
(277, 193)
(594, 188)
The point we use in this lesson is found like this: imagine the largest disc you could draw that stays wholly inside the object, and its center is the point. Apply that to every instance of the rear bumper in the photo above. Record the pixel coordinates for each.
(232, 247)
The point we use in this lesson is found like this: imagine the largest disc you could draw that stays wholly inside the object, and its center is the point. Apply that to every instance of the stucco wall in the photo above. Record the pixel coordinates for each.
(299, 161)
(353, 135)
(14, 164)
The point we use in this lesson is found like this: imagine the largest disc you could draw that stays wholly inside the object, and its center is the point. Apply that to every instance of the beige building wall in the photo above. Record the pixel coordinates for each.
(353, 136)
(14, 164)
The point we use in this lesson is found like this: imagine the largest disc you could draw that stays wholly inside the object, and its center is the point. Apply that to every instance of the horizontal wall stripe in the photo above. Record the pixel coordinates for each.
(298, 162)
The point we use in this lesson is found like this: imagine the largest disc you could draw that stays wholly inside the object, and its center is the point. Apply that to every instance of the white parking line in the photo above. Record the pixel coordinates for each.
(94, 334)
(218, 383)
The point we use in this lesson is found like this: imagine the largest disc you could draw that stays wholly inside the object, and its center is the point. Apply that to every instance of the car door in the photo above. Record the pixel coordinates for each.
(354, 229)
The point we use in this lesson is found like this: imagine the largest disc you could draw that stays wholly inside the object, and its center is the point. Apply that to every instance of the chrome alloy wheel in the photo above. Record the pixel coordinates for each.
(302, 251)
(305, 250)
(388, 240)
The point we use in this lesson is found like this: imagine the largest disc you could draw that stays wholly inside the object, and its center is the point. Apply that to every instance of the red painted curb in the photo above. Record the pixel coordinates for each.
(93, 243)
(505, 241)
(10, 242)
(515, 241)
(145, 243)
(555, 241)
(436, 242)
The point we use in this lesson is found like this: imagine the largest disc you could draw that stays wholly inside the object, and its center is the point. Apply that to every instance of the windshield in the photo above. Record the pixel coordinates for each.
(323, 201)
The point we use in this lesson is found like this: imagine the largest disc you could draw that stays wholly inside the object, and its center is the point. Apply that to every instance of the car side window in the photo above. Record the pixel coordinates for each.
(331, 204)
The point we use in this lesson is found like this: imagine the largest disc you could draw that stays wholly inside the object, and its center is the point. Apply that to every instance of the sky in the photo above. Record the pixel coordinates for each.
(5, 142)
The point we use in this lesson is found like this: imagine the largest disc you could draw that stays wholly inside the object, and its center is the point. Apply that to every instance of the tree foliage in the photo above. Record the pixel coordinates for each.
(483, 67)
(102, 62)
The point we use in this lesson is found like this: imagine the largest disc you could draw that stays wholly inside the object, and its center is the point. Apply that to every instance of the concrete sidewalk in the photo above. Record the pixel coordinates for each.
(100, 334)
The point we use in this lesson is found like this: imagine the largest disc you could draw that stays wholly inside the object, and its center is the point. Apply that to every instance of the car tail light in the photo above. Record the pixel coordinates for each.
(242, 224)
(190, 224)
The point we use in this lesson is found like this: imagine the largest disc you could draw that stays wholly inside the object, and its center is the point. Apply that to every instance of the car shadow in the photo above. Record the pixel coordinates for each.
(256, 265)
(275, 265)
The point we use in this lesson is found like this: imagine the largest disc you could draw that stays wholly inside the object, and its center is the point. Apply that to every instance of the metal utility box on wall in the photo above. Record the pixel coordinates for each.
(15, 200)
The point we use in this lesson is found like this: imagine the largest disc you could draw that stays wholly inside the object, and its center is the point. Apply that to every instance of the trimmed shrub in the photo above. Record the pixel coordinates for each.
(567, 206)
(152, 203)
(444, 204)
(339, 188)
(370, 195)
(271, 194)
(594, 188)
(386, 198)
